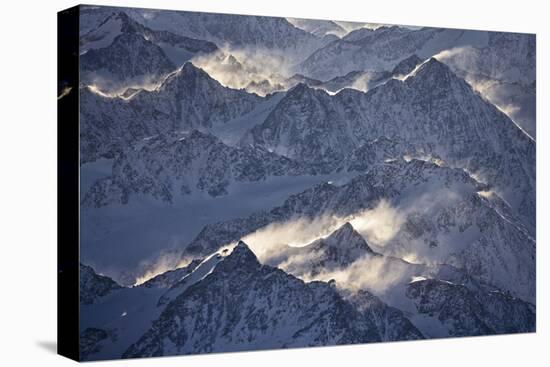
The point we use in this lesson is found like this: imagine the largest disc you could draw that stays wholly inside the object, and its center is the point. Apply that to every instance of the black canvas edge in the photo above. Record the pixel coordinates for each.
(68, 183)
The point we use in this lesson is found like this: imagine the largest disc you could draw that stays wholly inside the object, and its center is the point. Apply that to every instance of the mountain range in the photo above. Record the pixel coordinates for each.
(256, 183)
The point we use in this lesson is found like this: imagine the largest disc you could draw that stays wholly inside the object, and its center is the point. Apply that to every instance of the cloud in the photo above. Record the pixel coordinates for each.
(378, 225)
(110, 87)
(352, 26)
(385, 227)
(362, 83)
(165, 261)
(257, 70)
(502, 88)
(269, 242)
(275, 245)
(373, 273)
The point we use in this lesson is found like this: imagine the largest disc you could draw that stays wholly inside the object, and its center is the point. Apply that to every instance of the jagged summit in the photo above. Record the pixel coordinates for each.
(123, 59)
(189, 72)
(300, 78)
(335, 251)
(407, 65)
(434, 74)
(190, 78)
(128, 24)
(240, 304)
(299, 90)
(242, 255)
(192, 69)
(94, 286)
(346, 236)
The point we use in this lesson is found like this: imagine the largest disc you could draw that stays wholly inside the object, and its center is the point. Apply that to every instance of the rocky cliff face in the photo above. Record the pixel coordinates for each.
(94, 286)
(168, 167)
(465, 312)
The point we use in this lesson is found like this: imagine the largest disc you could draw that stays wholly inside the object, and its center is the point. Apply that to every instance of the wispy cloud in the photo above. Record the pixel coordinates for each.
(496, 88)
(245, 68)
(165, 261)
(379, 225)
(374, 273)
(269, 242)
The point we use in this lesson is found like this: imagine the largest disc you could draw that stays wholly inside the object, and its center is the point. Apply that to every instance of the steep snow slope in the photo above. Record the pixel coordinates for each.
(440, 300)
(504, 72)
(431, 109)
(187, 98)
(259, 307)
(140, 235)
(464, 312)
(381, 49)
(317, 27)
(94, 286)
(307, 125)
(336, 251)
(416, 210)
(499, 65)
(119, 66)
(166, 167)
(266, 34)
(121, 53)
(111, 324)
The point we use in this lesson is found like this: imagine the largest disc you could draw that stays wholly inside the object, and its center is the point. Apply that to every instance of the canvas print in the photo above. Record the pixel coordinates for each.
(251, 183)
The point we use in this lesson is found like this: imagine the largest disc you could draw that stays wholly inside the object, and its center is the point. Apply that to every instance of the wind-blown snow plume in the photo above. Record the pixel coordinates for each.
(378, 225)
(268, 242)
(352, 26)
(111, 88)
(502, 88)
(374, 273)
(165, 261)
(256, 70)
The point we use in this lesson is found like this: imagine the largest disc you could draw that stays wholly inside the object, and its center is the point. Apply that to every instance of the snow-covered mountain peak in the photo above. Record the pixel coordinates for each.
(126, 23)
(189, 69)
(433, 73)
(346, 237)
(242, 255)
(94, 286)
(188, 73)
(361, 34)
(320, 28)
(407, 65)
(334, 252)
(303, 90)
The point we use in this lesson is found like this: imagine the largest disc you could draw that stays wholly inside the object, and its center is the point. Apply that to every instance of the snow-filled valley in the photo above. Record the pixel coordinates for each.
(254, 183)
